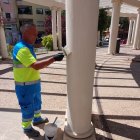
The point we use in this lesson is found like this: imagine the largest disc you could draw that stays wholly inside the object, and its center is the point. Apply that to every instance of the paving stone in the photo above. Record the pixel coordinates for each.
(115, 106)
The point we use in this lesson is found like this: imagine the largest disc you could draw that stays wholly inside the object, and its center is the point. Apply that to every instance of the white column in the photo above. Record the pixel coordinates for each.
(54, 28)
(136, 36)
(59, 29)
(130, 31)
(81, 33)
(3, 46)
(138, 46)
(114, 26)
(133, 32)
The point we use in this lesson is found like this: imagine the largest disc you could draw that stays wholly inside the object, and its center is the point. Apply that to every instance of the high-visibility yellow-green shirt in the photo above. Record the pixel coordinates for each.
(23, 57)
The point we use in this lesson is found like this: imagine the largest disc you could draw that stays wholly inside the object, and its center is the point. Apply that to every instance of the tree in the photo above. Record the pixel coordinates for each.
(124, 23)
(103, 22)
(123, 28)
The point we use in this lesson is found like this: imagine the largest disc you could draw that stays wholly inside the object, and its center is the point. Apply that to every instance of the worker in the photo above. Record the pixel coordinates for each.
(27, 79)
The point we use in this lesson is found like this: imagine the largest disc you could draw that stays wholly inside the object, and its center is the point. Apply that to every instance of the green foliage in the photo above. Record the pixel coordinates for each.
(10, 49)
(47, 41)
(108, 21)
(104, 20)
(124, 23)
(63, 13)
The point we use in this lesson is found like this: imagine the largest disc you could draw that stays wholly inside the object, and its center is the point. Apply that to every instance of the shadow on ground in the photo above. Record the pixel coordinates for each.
(103, 123)
(135, 68)
(108, 123)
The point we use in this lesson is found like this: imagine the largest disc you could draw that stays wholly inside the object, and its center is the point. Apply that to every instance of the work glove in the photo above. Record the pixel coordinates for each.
(58, 57)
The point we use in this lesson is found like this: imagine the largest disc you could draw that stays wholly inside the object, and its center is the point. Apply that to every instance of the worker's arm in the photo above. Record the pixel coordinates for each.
(28, 60)
(44, 63)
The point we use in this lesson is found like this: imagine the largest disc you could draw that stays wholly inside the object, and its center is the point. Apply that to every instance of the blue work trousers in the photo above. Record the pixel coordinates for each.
(29, 98)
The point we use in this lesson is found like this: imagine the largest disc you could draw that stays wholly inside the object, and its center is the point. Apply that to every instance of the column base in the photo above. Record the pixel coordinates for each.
(60, 49)
(70, 133)
(110, 54)
(55, 49)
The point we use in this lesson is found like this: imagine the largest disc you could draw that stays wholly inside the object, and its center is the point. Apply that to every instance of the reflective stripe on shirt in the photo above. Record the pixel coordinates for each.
(18, 66)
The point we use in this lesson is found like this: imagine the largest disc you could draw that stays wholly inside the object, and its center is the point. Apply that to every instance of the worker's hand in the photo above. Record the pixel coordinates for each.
(58, 57)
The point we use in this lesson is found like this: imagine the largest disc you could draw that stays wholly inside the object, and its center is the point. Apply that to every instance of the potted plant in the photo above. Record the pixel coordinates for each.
(47, 41)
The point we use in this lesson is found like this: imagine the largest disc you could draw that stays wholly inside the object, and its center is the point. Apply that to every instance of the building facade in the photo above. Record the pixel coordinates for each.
(32, 13)
(9, 13)
(19, 12)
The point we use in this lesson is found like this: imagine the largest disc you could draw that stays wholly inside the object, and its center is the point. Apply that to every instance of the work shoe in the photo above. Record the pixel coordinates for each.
(32, 132)
(37, 121)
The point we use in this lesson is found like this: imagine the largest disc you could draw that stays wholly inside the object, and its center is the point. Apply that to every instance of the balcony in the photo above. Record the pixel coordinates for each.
(24, 16)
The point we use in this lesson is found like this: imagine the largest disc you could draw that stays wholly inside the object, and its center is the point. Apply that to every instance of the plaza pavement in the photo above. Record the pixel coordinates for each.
(116, 97)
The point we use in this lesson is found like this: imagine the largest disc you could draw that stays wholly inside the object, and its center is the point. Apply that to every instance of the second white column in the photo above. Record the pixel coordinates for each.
(54, 35)
(136, 36)
(114, 26)
(130, 31)
(59, 29)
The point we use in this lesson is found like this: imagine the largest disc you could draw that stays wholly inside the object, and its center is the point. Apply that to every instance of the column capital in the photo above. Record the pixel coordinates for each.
(59, 9)
(138, 10)
(132, 18)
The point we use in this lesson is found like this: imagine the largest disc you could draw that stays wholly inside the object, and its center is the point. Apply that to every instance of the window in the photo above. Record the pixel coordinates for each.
(25, 10)
(47, 12)
(40, 23)
(39, 11)
(8, 15)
